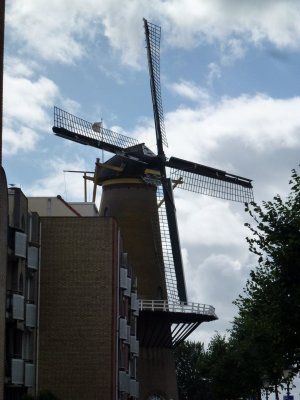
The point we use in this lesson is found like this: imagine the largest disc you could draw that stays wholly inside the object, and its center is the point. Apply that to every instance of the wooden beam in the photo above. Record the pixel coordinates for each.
(175, 183)
(112, 167)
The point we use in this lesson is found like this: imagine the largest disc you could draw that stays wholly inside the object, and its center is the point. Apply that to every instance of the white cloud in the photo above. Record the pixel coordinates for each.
(272, 20)
(256, 123)
(216, 280)
(232, 50)
(51, 29)
(26, 105)
(18, 68)
(55, 182)
(190, 91)
(207, 221)
(26, 101)
(62, 30)
(20, 140)
(214, 72)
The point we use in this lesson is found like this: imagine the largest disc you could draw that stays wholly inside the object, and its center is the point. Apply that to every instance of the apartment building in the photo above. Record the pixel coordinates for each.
(87, 319)
(71, 303)
(22, 280)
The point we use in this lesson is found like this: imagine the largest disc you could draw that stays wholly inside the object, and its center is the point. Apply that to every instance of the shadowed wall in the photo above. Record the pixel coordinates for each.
(77, 315)
(3, 266)
(134, 205)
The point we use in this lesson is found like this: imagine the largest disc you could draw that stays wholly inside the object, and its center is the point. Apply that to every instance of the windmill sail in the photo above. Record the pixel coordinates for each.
(78, 130)
(173, 257)
(174, 240)
(169, 267)
(210, 181)
(153, 52)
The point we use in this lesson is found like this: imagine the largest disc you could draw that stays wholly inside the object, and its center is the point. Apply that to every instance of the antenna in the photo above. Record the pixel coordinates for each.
(97, 127)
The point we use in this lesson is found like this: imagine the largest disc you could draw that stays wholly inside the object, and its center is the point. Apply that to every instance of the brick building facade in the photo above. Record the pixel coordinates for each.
(78, 307)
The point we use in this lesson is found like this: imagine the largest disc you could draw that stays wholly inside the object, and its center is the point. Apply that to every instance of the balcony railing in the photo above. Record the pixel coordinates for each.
(165, 305)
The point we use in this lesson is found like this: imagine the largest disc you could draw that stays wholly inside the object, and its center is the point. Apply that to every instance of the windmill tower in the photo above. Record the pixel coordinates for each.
(137, 189)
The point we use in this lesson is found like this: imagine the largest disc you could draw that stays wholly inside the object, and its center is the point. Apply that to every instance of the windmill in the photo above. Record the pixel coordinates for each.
(138, 191)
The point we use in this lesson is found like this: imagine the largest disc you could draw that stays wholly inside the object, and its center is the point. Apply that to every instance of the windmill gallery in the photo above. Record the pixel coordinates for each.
(111, 289)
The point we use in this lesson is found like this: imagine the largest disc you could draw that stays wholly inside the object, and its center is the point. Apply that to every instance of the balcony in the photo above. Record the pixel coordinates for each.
(134, 345)
(134, 388)
(124, 381)
(17, 371)
(20, 244)
(29, 375)
(123, 328)
(167, 324)
(128, 290)
(186, 308)
(30, 319)
(134, 302)
(123, 278)
(16, 306)
(33, 257)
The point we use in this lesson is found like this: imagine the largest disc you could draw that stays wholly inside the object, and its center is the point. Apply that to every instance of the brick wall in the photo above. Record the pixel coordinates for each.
(156, 370)
(135, 209)
(76, 303)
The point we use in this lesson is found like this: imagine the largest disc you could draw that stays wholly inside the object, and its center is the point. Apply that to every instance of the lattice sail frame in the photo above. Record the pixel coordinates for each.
(76, 125)
(210, 186)
(169, 267)
(154, 41)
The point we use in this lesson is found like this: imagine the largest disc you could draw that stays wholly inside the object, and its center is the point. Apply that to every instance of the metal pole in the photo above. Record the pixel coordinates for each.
(95, 180)
(85, 190)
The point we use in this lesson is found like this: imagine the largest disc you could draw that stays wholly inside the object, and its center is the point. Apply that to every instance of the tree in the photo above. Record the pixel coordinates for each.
(224, 374)
(211, 374)
(268, 322)
(276, 241)
(192, 372)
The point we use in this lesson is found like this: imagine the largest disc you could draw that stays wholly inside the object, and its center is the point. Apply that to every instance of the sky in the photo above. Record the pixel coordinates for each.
(231, 97)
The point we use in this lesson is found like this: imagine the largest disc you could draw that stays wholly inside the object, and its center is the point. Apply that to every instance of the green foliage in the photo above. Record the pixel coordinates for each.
(222, 370)
(266, 329)
(213, 374)
(271, 298)
(192, 372)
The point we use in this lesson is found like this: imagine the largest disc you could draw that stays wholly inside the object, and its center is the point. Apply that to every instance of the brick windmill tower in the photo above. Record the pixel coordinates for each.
(137, 189)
